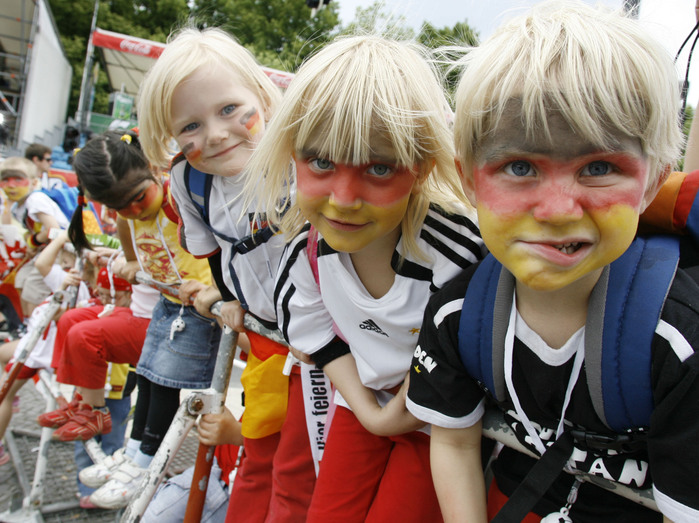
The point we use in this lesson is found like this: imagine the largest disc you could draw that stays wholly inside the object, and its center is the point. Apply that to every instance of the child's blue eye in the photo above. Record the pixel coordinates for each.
(190, 127)
(598, 168)
(380, 169)
(518, 168)
(322, 164)
(228, 109)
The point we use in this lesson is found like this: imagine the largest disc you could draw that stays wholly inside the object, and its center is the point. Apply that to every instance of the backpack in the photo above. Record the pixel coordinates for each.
(624, 310)
(66, 198)
(198, 185)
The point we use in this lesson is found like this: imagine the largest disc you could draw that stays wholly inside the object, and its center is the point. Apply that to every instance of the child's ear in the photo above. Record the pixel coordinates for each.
(466, 182)
(422, 174)
(654, 187)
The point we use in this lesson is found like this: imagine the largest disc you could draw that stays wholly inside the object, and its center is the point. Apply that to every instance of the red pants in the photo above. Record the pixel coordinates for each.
(85, 343)
(276, 477)
(370, 478)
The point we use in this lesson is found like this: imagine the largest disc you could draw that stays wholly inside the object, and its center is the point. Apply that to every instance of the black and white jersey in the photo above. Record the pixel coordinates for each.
(381, 332)
(442, 393)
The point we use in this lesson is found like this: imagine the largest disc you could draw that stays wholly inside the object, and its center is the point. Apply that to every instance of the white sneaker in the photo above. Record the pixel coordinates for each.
(98, 474)
(121, 488)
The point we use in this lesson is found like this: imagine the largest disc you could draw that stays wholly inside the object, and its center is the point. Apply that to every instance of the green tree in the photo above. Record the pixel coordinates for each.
(281, 33)
(449, 43)
(376, 20)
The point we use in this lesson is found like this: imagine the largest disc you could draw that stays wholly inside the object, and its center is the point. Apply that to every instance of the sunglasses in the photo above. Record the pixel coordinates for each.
(49, 159)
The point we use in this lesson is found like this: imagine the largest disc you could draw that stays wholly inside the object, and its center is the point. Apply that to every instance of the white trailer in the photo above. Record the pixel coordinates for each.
(35, 76)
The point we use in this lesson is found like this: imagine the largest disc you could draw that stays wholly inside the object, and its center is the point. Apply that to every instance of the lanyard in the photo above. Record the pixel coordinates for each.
(509, 354)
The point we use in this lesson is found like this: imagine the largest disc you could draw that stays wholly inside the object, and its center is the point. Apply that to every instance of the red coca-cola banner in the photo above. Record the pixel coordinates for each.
(127, 44)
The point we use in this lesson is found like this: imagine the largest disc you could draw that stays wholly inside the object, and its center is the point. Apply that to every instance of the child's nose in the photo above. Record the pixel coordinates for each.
(558, 204)
(217, 133)
(346, 190)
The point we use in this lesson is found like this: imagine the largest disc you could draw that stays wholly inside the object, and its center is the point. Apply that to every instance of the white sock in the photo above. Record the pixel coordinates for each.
(132, 447)
(142, 460)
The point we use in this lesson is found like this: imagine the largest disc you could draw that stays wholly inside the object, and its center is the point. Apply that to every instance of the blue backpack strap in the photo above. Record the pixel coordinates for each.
(483, 324)
(618, 369)
(198, 185)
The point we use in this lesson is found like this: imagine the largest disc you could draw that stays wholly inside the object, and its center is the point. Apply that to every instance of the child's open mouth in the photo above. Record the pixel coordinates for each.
(568, 248)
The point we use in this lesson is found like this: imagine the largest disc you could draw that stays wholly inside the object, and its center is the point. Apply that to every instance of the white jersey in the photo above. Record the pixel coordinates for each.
(248, 275)
(381, 332)
(40, 356)
(36, 203)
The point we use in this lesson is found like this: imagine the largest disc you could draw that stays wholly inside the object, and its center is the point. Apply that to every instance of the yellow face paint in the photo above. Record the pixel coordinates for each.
(549, 258)
(351, 229)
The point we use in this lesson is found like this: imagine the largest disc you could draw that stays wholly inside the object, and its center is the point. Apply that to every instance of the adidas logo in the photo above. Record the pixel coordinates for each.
(370, 325)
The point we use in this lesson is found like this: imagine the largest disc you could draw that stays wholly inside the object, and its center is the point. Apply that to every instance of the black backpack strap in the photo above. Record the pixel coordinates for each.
(539, 479)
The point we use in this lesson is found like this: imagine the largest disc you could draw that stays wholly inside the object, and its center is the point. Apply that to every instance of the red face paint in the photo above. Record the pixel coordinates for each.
(216, 120)
(191, 152)
(145, 203)
(251, 121)
(553, 211)
(354, 207)
(379, 184)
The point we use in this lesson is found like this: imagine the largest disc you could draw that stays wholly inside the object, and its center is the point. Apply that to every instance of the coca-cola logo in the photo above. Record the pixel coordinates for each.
(135, 47)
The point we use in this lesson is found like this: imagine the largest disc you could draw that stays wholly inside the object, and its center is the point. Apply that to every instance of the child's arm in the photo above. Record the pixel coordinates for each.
(390, 420)
(220, 429)
(48, 222)
(455, 460)
(46, 258)
(129, 269)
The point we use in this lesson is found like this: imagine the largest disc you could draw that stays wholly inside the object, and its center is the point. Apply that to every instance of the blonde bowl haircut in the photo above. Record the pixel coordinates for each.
(596, 67)
(343, 98)
(21, 164)
(188, 50)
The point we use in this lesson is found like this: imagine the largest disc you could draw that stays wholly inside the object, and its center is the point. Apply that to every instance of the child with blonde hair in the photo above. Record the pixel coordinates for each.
(208, 93)
(580, 331)
(364, 124)
(38, 214)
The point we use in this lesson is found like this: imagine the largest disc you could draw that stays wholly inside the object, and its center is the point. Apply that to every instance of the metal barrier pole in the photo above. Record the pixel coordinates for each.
(34, 336)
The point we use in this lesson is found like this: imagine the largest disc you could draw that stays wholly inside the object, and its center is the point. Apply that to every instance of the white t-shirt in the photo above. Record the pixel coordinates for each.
(38, 202)
(40, 356)
(249, 275)
(382, 333)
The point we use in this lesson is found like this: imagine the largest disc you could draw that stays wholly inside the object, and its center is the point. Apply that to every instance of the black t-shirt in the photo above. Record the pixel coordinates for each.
(445, 395)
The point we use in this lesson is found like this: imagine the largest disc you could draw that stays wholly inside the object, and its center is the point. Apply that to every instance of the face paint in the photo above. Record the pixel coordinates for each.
(191, 153)
(553, 211)
(251, 121)
(15, 187)
(353, 206)
(379, 184)
(145, 204)
(215, 120)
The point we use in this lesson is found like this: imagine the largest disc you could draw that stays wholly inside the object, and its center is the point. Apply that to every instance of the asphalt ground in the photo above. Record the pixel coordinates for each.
(60, 501)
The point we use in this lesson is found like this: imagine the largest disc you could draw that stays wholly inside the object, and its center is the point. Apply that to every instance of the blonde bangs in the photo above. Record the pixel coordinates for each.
(594, 67)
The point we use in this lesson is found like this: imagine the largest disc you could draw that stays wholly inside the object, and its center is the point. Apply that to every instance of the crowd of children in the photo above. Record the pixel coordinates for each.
(532, 257)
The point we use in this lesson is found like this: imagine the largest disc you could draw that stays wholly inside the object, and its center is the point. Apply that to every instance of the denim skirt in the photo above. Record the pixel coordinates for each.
(185, 362)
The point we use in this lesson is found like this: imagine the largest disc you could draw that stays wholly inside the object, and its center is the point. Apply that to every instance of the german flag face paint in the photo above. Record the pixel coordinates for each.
(252, 121)
(553, 211)
(16, 186)
(144, 202)
(353, 206)
(216, 120)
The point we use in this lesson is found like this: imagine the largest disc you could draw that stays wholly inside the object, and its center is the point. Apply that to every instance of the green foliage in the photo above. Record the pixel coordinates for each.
(280, 33)
(376, 20)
